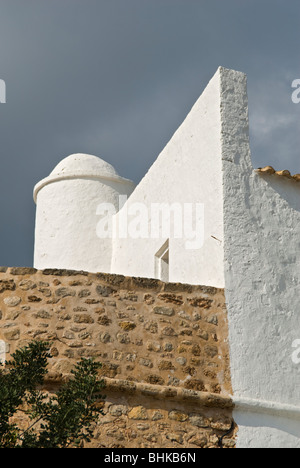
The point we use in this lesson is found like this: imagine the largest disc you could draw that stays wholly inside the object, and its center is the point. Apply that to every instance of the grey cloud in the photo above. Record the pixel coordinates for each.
(116, 78)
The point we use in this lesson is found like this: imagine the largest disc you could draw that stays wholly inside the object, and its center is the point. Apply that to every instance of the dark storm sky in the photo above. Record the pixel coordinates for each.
(116, 78)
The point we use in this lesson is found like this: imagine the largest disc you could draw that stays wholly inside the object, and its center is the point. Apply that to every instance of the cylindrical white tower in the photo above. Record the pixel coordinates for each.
(67, 214)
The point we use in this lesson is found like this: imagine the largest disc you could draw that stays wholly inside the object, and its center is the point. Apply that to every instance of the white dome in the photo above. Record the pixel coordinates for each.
(84, 165)
(69, 202)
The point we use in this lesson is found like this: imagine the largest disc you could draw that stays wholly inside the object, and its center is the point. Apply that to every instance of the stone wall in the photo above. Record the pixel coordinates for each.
(163, 347)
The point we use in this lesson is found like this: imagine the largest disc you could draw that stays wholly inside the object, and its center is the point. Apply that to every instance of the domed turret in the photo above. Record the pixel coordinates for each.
(66, 214)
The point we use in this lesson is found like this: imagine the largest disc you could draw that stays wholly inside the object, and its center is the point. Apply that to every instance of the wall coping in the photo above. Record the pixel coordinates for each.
(114, 279)
(161, 392)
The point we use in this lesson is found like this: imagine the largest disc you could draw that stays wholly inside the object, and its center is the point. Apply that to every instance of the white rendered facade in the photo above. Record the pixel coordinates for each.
(250, 245)
(66, 222)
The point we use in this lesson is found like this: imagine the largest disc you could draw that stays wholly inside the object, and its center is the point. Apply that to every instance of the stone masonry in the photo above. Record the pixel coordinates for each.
(163, 346)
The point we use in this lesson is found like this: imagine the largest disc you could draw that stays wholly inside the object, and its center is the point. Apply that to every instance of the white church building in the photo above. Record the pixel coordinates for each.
(201, 215)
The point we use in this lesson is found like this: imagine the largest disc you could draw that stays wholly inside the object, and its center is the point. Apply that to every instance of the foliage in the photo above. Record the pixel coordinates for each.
(62, 420)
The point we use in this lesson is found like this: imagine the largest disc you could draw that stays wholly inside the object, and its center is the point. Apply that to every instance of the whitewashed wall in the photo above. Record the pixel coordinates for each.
(262, 283)
(187, 171)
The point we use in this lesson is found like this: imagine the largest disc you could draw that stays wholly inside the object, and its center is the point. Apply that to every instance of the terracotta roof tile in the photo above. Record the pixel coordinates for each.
(269, 170)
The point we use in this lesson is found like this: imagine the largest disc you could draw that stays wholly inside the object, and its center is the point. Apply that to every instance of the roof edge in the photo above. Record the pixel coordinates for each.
(269, 170)
(56, 178)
